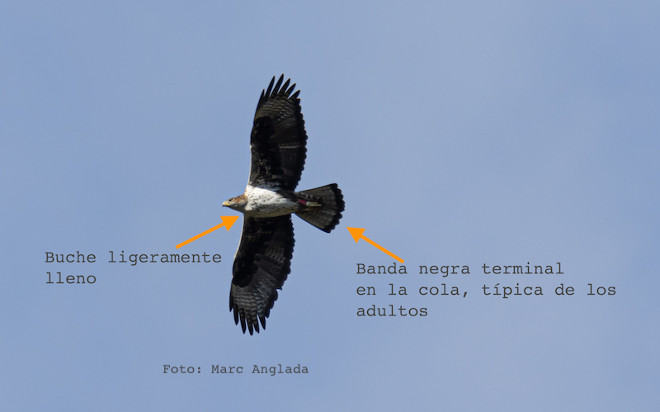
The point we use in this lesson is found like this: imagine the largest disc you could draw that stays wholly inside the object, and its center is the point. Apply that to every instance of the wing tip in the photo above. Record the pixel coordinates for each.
(249, 322)
(279, 87)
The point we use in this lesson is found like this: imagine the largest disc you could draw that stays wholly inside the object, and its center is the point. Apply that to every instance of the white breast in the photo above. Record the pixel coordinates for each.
(263, 202)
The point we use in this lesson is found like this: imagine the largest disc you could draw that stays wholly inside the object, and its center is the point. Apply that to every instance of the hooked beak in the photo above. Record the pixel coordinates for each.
(226, 203)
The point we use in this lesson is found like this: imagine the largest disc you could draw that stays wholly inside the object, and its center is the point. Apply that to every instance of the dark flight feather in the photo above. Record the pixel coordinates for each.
(261, 266)
(278, 138)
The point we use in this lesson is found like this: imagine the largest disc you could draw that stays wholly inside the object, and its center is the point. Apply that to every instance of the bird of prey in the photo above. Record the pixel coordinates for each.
(263, 259)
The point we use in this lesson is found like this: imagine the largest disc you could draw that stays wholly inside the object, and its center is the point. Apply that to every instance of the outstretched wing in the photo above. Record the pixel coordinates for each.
(278, 138)
(261, 266)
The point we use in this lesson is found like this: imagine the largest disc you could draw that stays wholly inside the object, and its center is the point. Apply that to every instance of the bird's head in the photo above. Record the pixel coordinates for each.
(236, 203)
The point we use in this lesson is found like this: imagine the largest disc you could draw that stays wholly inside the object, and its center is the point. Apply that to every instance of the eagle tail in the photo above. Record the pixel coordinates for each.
(324, 206)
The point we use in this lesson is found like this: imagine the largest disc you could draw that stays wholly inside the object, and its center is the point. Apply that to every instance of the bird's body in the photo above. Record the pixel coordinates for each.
(263, 259)
(265, 202)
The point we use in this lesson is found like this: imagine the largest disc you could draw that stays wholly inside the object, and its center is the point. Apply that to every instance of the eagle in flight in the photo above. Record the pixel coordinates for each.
(263, 259)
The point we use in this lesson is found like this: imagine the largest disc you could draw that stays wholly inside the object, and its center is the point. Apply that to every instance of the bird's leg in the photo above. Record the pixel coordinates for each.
(309, 203)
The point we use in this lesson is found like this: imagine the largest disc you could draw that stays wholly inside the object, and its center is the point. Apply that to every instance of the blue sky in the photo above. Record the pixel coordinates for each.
(460, 134)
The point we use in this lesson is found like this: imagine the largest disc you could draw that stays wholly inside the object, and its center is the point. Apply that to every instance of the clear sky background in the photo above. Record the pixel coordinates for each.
(461, 133)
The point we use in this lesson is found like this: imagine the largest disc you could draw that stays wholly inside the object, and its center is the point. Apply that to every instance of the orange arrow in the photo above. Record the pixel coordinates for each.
(358, 234)
(227, 221)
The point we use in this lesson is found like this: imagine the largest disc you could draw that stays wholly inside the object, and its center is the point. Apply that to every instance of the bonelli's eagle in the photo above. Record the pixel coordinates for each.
(263, 259)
